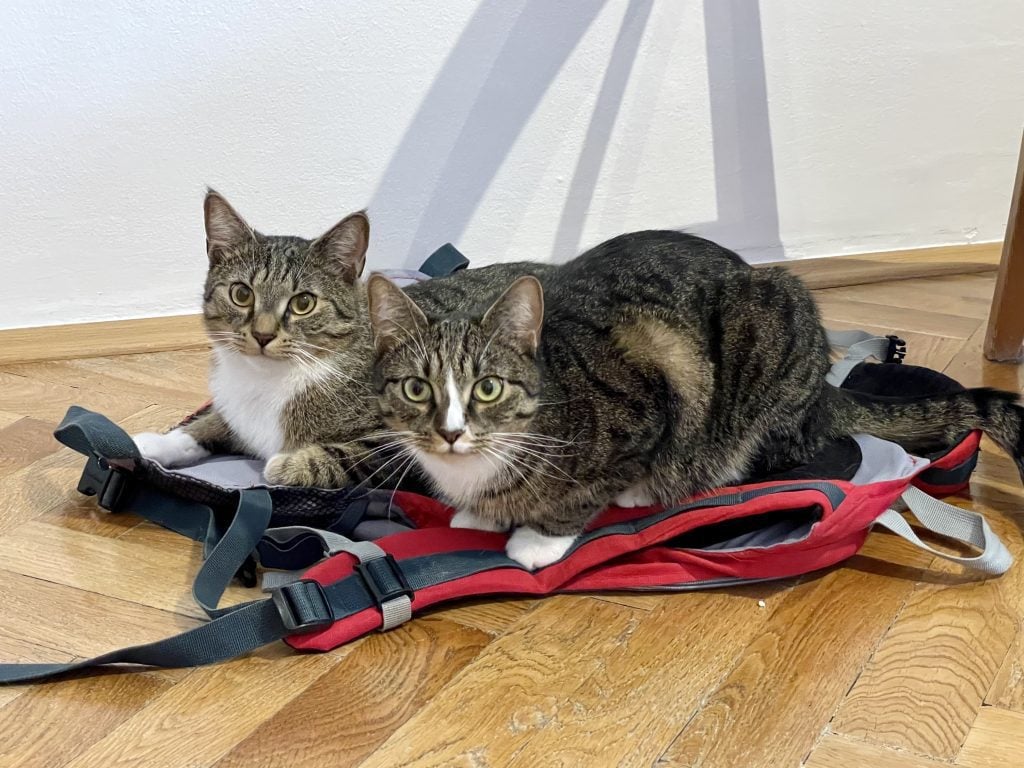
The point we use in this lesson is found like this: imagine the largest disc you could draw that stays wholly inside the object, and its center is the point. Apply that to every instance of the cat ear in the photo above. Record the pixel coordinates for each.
(225, 229)
(394, 317)
(518, 314)
(343, 247)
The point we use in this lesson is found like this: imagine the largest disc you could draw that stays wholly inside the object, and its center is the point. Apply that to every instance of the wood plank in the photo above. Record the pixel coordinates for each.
(639, 698)
(7, 418)
(971, 369)
(995, 741)
(206, 714)
(837, 752)
(513, 688)
(920, 295)
(1007, 689)
(782, 691)
(925, 682)
(492, 615)
(49, 402)
(160, 577)
(116, 337)
(1005, 332)
(386, 679)
(15, 650)
(170, 378)
(54, 616)
(24, 442)
(834, 307)
(89, 708)
(860, 269)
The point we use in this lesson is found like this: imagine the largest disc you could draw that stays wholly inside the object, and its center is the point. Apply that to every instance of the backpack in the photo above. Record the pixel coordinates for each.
(339, 564)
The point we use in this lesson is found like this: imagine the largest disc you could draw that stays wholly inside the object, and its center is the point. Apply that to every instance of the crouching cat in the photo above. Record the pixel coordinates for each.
(661, 366)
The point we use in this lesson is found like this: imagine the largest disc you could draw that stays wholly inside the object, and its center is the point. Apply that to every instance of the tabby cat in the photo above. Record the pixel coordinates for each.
(662, 366)
(292, 354)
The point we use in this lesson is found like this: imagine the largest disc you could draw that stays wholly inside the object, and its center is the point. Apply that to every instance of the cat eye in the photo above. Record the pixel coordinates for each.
(416, 390)
(302, 303)
(488, 390)
(241, 294)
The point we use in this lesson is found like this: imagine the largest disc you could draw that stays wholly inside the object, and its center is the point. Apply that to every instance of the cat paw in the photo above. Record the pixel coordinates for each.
(634, 496)
(464, 519)
(310, 466)
(533, 549)
(174, 449)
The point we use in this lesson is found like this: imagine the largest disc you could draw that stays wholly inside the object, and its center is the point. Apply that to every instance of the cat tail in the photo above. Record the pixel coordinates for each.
(917, 421)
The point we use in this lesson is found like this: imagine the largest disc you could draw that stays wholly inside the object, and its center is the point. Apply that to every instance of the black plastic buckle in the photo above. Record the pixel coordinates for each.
(384, 579)
(897, 350)
(303, 606)
(108, 484)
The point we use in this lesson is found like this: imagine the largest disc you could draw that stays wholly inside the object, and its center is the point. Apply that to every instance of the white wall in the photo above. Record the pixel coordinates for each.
(514, 128)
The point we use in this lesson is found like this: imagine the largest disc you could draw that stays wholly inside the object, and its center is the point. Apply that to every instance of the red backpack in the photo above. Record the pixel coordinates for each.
(341, 563)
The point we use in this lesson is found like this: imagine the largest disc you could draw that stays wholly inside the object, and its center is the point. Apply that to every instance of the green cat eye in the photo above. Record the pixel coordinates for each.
(241, 294)
(488, 390)
(302, 303)
(416, 390)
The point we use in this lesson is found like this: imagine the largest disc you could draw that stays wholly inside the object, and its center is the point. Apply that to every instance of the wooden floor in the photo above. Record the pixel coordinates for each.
(895, 660)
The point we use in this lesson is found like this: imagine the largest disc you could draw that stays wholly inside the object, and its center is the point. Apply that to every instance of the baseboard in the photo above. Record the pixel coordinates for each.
(159, 334)
(862, 268)
(115, 337)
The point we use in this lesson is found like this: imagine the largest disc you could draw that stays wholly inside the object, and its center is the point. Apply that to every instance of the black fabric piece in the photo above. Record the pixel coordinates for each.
(446, 260)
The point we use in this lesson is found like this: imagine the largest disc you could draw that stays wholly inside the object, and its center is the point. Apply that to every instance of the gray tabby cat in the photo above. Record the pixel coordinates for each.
(292, 353)
(661, 367)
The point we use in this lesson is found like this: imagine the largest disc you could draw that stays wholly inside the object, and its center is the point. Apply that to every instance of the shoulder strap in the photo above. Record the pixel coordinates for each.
(446, 260)
(952, 522)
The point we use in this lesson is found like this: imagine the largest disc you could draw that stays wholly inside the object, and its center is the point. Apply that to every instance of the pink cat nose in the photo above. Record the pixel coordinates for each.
(451, 435)
(263, 338)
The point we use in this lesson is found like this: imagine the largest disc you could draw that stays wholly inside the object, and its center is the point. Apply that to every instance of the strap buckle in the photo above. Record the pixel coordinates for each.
(897, 350)
(384, 579)
(303, 606)
(108, 484)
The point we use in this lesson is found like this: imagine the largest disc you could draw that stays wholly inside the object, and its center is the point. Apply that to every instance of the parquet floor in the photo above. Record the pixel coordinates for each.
(894, 660)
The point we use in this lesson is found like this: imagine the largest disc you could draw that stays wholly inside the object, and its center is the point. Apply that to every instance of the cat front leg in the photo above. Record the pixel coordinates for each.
(315, 466)
(186, 445)
(466, 519)
(535, 549)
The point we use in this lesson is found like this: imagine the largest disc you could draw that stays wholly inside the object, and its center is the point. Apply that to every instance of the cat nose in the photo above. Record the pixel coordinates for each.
(451, 435)
(263, 338)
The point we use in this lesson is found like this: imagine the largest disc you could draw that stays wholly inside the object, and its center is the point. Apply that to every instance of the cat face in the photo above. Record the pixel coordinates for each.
(463, 388)
(281, 297)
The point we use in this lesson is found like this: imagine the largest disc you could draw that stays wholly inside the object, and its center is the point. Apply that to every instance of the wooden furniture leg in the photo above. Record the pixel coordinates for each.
(1006, 320)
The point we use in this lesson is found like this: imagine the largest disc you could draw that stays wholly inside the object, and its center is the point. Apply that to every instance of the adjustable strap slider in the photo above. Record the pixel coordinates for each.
(897, 350)
(108, 484)
(303, 606)
(384, 579)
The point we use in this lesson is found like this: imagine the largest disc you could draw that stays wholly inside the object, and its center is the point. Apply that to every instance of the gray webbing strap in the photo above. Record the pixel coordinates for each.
(396, 611)
(955, 523)
(859, 345)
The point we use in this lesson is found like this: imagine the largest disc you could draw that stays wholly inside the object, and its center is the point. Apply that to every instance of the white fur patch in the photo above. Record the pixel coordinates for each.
(251, 392)
(175, 449)
(634, 496)
(454, 417)
(459, 477)
(466, 519)
(532, 549)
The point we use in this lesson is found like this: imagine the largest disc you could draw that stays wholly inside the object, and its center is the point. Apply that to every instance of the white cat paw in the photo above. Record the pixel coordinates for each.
(174, 449)
(532, 549)
(634, 496)
(465, 519)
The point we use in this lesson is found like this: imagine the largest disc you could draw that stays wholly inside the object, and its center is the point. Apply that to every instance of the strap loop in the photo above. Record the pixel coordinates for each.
(954, 523)
(303, 606)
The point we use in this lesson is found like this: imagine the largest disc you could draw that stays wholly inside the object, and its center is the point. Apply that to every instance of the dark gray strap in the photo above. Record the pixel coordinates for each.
(246, 629)
(955, 523)
(446, 260)
(94, 435)
(395, 611)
